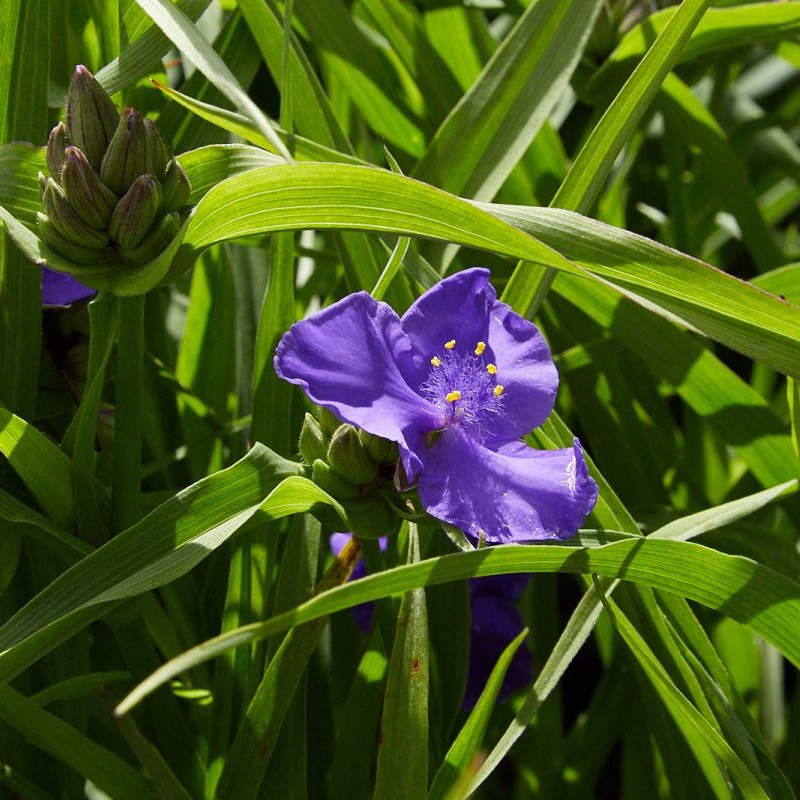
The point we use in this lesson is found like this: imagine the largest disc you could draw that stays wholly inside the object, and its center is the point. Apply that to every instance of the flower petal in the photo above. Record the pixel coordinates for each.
(456, 308)
(465, 307)
(525, 369)
(353, 358)
(60, 289)
(516, 494)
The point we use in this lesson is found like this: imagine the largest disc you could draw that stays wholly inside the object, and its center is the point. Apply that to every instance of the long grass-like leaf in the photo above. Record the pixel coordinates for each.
(745, 590)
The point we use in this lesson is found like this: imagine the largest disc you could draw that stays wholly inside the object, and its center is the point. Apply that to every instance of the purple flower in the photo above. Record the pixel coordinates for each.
(455, 383)
(59, 289)
(495, 623)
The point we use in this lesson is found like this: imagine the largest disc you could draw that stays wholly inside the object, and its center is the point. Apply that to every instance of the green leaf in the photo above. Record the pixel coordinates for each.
(467, 744)
(207, 166)
(721, 28)
(511, 99)
(144, 54)
(597, 156)
(368, 81)
(683, 711)
(731, 406)
(44, 469)
(20, 163)
(724, 173)
(256, 738)
(23, 117)
(402, 771)
(712, 518)
(349, 197)
(73, 748)
(718, 305)
(240, 125)
(738, 587)
(188, 38)
(163, 546)
(37, 526)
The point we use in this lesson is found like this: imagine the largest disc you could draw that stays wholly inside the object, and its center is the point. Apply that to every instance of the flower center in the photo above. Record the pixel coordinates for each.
(463, 386)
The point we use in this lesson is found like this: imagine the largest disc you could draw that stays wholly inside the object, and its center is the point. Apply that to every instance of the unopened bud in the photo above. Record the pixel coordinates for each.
(125, 158)
(67, 222)
(330, 481)
(155, 154)
(175, 188)
(42, 178)
(313, 443)
(156, 240)
(54, 153)
(92, 201)
(381, 451)
(64, 247)
(135, 212)
(91, 115)
(328, 421)
(348, 457)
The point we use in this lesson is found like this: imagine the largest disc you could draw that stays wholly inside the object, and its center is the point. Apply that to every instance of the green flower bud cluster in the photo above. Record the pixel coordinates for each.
(113, 195)
(355, 468)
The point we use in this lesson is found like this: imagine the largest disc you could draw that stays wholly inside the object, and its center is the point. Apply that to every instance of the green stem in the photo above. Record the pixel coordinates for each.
(128, 419)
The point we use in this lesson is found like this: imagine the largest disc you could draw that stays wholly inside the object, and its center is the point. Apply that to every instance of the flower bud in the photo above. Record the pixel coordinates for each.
(91, 200)
(348, 457)
(381, 451)
(328, 421)
(42, 184)
(155, 242)
(155, 155)
(54, 152)
(126, 156)
(64, 247)
(135, 212)
(175, 188)
(91, 116)
(330, 481)
(313, 442)
(67, 222)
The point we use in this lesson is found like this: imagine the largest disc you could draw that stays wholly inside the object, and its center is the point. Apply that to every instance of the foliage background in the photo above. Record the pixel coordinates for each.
(575, 129)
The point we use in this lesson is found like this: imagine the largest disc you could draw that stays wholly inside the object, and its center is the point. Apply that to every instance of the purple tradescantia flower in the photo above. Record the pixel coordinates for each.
(59, 289)
(455, 383)
(495, 622)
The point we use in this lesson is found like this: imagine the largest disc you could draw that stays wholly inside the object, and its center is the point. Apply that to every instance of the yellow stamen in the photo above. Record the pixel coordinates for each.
(479, 348)
(450, 345)
(498, 390)
(435, 361)
(491, 369)
(451, 397)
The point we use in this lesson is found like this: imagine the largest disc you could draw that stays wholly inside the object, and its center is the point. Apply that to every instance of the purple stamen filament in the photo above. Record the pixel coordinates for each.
(463, 387)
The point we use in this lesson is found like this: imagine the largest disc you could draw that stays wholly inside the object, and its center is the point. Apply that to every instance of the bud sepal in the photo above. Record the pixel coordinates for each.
(92, 201)
(91, 115)
(135, 212)
(348, 457)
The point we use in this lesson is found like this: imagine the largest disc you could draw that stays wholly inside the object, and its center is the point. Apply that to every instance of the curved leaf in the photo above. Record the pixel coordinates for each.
(738, 587)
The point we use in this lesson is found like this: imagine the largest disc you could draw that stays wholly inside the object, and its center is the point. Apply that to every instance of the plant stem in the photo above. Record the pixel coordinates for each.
(128, 419)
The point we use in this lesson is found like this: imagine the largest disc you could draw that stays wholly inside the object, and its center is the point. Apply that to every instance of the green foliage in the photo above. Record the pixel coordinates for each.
(630, 173)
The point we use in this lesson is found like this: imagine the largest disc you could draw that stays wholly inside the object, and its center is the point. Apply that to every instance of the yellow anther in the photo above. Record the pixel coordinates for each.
(479, 348)
(435, 361)
(450, 345)
(451, 397)
(491, 369)
(498, 390)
